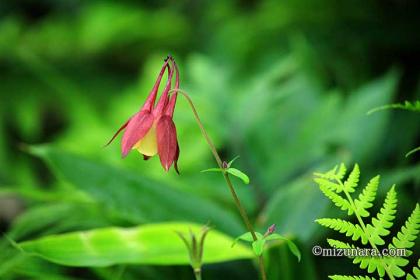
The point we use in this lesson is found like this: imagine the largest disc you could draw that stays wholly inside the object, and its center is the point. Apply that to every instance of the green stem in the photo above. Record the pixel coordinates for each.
(213, 149)
(197, 273)
(362, 224)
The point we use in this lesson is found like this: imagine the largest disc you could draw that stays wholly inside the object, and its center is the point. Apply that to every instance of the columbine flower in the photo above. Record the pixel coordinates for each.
(152, 130)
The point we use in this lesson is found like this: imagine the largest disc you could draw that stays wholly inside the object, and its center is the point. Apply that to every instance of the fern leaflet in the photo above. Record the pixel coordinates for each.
(342, 226)
(339, 201)
(367, 197)
(345, 277)
(386, 261)
(416, 272)
(384, 218)
(352, 180)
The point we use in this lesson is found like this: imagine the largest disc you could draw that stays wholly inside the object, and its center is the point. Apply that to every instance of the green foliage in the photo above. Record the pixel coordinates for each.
(259, 244)
(372, 233)
(366, 197)
(156, 244)
(131, 196)
(343, 277)
(407, 105)
(230, 170)
(416, 272)
(238, 173)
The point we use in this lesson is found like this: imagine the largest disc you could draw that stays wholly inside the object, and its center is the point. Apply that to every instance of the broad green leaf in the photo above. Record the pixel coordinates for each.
(57, 217)
(156, 244)
(133, 197)
(237, 173)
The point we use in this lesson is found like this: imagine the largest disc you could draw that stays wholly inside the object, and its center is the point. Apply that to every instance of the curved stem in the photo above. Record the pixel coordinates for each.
(213, 149)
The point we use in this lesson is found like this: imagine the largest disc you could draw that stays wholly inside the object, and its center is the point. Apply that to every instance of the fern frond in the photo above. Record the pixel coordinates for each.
(342, 226)
(408, 232)
(339, 244)
(352, 180)
(339, 201)
(345, 277)
(404, 240)
(384, 219)
(341, 172)
(329, 175)
(369, 263)
(372, 264)
(407, 105)
(328, 184)
(367, 197)
(416, 272)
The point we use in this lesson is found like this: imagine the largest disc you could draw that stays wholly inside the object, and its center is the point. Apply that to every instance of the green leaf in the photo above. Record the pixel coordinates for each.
(258, 246)
(237, 173)
(352, 180)
(383, 221)
(232, 161)
(212, 170)
(416, 272)
(328, 184)
(339, 201)
(412, 151)
(292, 246)
(345, 277)
(367, 197)
(341, 172)
(247, 236)
(404, 240)
(371, 264)
(133, 197)
(407, 105)
(408, 233)
(329, 175)
(342, 226)
(153, 244)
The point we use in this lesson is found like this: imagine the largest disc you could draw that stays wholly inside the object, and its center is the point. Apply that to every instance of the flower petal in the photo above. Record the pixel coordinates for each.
(118, 132)
(137, 127)
(169, 109)
(163, 100)
(150, 101)
(167, 142)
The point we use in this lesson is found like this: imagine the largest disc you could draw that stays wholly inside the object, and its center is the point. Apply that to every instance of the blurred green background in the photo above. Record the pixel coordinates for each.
(284, 84)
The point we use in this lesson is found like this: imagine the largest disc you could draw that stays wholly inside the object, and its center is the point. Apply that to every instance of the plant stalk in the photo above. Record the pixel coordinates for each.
(197, 273)
(213, 149)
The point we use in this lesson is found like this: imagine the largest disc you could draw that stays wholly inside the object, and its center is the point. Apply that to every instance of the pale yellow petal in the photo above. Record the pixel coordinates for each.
(148, 144)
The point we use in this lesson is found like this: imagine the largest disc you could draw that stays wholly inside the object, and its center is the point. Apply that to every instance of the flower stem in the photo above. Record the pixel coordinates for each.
(241, 209)
(197, 273)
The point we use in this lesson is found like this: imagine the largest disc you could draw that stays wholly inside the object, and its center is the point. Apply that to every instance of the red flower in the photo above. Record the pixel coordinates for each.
(152, 130)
